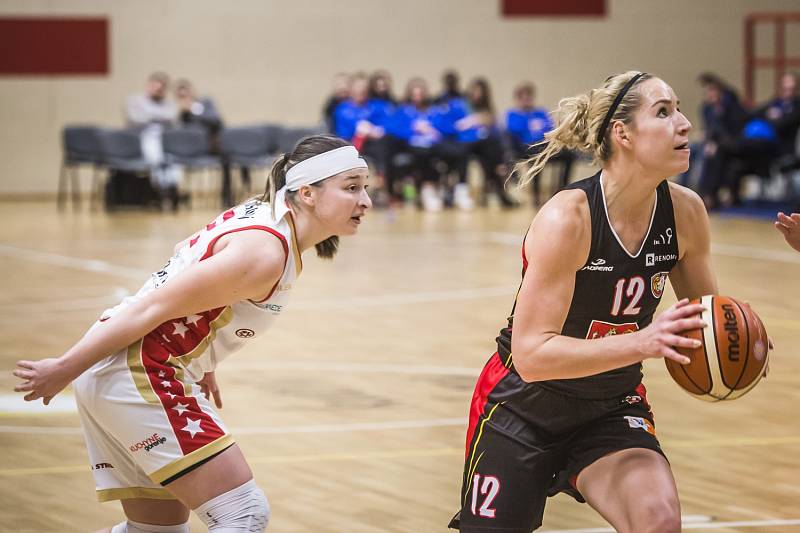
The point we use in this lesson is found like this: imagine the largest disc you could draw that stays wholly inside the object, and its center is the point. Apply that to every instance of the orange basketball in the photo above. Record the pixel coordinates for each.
(733, 355)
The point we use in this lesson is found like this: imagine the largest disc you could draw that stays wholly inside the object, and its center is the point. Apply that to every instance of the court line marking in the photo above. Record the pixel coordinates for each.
(90, 265)
(406, 298)
(730, 250)
(777, 522)
(269, 459)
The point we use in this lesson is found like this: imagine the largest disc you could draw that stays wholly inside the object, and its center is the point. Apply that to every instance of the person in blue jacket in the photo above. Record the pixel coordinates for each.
(413, 124)
(526, 126)
(362, 121)
(472, 122)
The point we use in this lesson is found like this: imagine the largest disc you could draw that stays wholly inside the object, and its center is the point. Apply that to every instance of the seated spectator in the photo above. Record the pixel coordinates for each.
(363, 123)
(150, 113)
(471, 121)
(341, 92)
(783, 113)
(413, 124)
(724, 120)
(201, 112)
(526, 126)
(451, 88)
(152, 107)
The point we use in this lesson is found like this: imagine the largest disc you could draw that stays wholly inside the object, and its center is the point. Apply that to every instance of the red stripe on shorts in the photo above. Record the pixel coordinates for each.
(491, 375)
(192, 426)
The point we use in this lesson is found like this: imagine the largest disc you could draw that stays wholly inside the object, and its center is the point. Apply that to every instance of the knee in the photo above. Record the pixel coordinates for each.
(658, 517)
(244, 508)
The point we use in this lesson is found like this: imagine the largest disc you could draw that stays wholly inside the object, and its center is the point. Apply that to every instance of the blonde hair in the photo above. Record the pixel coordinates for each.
(579, 119)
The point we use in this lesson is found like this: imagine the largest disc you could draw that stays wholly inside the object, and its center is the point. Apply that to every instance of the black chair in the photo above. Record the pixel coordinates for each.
(122, 153)
(247, 147)
(189, 148)
(289, 137)
(81, 146)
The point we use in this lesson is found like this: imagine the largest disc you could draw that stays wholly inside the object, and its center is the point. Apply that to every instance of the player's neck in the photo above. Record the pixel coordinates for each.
(308, 231)
(629, 194)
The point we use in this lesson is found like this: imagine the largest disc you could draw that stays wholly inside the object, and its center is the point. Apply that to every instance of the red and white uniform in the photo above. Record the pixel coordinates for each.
(144, 418)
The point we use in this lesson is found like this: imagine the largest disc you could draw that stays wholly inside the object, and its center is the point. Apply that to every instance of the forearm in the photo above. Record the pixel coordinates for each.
(562, 357)
(123, 329)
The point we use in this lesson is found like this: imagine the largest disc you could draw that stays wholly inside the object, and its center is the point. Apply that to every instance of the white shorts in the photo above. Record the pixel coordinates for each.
(144, 423)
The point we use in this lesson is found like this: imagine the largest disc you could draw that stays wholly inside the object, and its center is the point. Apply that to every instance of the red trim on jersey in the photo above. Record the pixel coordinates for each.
(210, 250)
(170, 395)
(491, 375)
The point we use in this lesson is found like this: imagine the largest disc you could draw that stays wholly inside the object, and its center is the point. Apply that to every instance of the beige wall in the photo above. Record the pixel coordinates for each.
(272, 60)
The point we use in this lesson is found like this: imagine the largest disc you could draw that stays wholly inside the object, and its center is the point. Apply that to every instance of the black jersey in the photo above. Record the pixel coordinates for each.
(616, 291)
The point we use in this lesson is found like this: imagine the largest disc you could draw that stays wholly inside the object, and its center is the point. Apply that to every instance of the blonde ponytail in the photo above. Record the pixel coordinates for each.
(579, 120)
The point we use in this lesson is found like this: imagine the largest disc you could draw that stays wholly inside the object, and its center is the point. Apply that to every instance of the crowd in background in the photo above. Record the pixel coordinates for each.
(738, 140)
(423, 142)
(154, 111)
(420, 145)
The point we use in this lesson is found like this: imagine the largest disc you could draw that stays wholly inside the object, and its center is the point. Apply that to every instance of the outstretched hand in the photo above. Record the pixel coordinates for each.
(42, 379)
(789, 226)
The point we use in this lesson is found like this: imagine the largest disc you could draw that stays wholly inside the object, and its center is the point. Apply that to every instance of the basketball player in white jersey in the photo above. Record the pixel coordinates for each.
(561, 406)
(155, 442)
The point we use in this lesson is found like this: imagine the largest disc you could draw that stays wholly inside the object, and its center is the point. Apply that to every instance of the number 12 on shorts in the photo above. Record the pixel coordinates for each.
(485, 487)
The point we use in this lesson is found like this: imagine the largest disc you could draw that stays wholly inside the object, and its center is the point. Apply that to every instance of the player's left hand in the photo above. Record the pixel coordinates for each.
(209, 387)
(43, 379)
(789, 226)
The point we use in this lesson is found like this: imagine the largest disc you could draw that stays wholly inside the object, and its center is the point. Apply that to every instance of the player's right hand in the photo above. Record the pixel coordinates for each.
(43, 379)
(663, 335)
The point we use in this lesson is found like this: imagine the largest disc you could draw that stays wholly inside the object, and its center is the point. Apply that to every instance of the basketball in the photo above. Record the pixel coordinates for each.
(733, 355)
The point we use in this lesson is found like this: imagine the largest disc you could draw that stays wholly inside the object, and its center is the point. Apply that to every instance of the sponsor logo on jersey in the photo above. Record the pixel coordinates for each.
(148, 444)
(598, 265)
(250, 209)
(652, 259)
(632, 400)
(101, 466)
(245, 333)
(663, 238)
(657, 283)
(641, 423)
(599, 329)
(275, 308)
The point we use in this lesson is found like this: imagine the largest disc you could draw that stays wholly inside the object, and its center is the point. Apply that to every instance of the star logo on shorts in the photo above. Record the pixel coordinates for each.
(181, 408)
(192, 427)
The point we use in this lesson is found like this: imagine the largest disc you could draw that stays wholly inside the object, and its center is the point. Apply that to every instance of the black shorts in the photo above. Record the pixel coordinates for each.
(526, 443)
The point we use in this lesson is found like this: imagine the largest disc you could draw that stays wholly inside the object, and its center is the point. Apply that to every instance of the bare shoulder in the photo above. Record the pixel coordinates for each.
(563, 228)
(691, 219)
(687, 204)
(262, 252)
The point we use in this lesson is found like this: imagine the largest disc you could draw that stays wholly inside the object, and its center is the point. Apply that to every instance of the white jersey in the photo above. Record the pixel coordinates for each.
(197, 343)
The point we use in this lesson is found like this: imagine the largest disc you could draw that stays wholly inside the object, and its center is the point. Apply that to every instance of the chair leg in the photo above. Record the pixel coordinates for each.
(61, 197)
(75, 184)
(94, 193)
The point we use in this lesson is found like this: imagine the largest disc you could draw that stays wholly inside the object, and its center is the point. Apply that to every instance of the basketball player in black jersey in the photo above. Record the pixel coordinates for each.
(560, 407)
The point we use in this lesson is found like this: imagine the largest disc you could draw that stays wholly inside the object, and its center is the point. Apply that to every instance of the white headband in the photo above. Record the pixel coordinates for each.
(316, 169)
(323, 166)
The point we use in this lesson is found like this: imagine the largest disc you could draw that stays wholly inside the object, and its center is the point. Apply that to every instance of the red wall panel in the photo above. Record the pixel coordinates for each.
(50, 45)
(532, 8)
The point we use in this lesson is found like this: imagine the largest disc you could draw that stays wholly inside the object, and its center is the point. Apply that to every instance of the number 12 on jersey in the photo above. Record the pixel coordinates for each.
(633, 289)
(488, 487)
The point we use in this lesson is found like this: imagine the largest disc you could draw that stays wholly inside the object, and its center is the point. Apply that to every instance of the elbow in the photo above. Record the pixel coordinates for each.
(529, 363)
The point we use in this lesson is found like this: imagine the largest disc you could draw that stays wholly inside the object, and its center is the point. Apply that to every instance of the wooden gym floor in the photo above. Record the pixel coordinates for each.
(352, 412)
